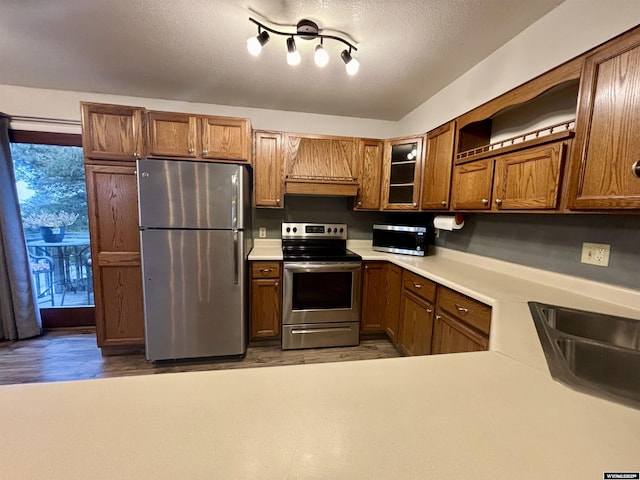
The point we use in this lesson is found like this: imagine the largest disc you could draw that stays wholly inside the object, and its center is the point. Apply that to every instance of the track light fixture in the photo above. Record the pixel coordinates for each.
(307, 30)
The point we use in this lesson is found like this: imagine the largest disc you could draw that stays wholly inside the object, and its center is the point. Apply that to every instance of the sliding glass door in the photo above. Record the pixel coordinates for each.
(51, 189)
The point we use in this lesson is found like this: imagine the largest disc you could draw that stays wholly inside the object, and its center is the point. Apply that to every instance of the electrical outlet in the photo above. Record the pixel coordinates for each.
(595, 254)
(262, 232)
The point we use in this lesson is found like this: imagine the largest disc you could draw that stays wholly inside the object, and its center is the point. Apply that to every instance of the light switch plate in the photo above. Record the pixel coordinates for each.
(596, 254)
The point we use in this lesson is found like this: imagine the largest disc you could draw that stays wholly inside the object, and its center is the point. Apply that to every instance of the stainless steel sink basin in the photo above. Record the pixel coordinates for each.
(596, 353)
(622, 332)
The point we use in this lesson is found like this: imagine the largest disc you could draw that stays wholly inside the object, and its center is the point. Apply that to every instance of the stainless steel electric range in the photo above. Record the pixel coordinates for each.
(321, 297)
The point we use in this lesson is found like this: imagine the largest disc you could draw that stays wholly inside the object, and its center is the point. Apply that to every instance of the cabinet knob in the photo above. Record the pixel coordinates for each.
(498, 201)
(266, 270)
(417, 285)
(136, 155)
(415, 204)
(635, 168)
(277, 201)
(485, 201)
(359, 204)
(461, 309)
(438, 317)
(191, 149)
(444, 204)
(429, 310)
(205, 152)
(366, 267)
(277, 284)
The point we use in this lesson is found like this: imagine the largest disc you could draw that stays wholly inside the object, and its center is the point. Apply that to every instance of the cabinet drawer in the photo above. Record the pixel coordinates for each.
(418, 285)
(472, 312)
(265, 270)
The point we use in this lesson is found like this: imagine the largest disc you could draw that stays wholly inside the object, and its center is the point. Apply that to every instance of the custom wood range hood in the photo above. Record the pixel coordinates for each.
(320, 165)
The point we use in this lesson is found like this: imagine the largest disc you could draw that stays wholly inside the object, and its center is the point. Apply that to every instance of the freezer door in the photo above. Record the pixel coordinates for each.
(184, 194)
(195, 294)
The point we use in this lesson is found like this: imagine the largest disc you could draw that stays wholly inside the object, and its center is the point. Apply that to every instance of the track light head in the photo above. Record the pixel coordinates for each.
(351, 64)
(255, 44)
(293, 55)
(321, 57)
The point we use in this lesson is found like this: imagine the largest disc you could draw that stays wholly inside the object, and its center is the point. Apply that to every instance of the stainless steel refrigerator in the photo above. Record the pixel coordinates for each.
(195, 232)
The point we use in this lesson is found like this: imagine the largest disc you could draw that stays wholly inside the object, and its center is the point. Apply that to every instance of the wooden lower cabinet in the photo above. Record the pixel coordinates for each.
(461, 324)
(381, 289)
(453, 336)
(266, 300)
(393, 297)
(374, 299)
(416, 325)
(115, 253)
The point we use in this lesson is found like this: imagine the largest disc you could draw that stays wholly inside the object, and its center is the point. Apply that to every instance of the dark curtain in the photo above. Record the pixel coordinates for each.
(19, 315)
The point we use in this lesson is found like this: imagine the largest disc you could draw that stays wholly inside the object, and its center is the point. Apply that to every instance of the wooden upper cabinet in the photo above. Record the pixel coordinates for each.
(183, 135)
(267, 169)
(436, 171)
(529, 179)
(401, 178)
(605, 169)
(172, 134)
(226, 138)
(524, 180)
(472, 183)
(369, 162)
(112, 132)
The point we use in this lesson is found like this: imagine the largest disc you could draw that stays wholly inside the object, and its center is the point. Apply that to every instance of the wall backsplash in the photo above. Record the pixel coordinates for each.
(549, 242)
(303, 208)
(554, 242)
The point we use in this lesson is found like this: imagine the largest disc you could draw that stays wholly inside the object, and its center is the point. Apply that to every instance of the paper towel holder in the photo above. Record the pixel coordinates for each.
(459, 217)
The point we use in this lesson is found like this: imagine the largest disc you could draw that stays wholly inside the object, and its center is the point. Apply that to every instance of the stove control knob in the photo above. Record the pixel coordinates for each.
(342, 230)
(288, 229)
(295, 229)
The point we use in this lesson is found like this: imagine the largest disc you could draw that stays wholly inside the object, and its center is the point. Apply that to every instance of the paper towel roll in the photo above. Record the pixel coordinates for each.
(446, 222)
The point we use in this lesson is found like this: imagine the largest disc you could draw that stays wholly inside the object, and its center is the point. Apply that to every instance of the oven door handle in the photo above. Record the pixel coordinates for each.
(322, 267)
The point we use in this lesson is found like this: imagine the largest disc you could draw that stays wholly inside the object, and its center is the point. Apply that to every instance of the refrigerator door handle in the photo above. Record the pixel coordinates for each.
(235, 257)
(234, 201)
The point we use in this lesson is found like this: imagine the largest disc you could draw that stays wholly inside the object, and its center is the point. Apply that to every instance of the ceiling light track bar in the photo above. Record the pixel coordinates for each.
(305, 35)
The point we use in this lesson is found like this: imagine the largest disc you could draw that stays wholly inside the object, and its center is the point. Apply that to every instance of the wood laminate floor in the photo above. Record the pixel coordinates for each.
(73, 355)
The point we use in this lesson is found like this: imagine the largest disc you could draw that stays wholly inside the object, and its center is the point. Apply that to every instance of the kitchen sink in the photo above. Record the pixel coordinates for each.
(595, 353)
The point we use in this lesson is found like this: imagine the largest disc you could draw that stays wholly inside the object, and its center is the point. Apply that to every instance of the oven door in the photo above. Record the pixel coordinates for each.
(321, 292)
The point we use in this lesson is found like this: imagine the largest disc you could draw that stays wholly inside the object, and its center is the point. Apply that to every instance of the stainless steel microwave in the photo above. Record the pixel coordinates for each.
(401, 239)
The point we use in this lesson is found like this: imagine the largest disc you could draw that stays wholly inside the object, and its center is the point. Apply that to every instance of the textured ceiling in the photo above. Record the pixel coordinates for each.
(195, 50)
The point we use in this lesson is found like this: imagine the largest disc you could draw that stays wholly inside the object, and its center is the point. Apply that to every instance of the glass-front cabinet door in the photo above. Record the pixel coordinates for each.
(402, 167)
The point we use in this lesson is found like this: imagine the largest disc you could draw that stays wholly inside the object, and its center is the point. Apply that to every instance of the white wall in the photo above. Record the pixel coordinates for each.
(570, 29)
(59, 104)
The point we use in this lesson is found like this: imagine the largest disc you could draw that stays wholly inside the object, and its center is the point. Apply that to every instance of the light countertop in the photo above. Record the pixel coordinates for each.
(481, 415)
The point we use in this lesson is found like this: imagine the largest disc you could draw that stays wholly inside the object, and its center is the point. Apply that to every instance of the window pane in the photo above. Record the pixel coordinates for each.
(53, 201)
